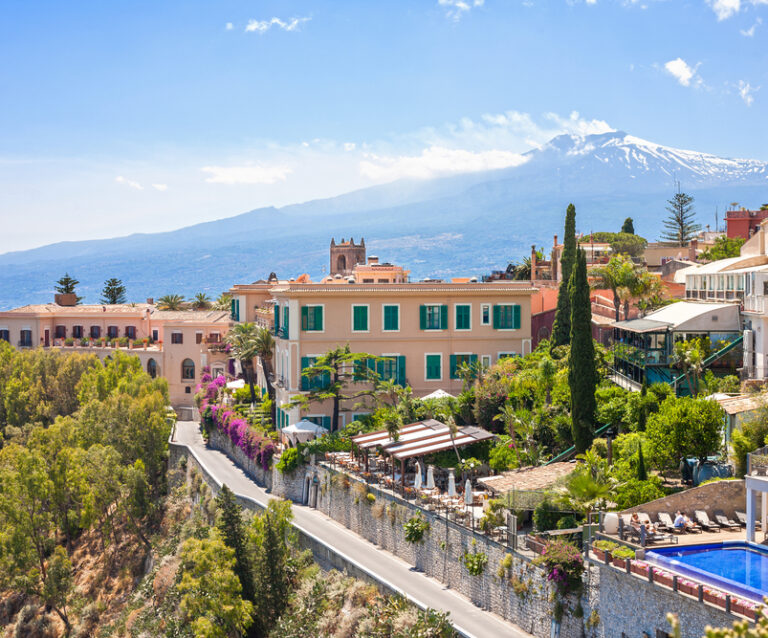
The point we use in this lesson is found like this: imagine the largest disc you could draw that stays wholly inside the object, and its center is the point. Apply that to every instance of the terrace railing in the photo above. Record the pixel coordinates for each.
(757, 462)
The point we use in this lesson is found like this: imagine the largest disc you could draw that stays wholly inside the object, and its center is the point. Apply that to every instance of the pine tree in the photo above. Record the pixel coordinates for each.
(582, 372)
(234, 535)
(680, 226)
(561, 329)
(113, 292)
(642, 473)
(66, 286)
(628, 226)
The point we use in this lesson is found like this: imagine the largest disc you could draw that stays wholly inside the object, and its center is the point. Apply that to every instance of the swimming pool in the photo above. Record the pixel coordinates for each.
(736, 567)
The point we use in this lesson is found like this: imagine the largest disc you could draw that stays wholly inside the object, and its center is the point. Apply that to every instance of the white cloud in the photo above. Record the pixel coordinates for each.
(749, 33)
(746, 91)
(349, 146)
(262, 26)
(229, 26)
(455, 9)
(250, 174)
(160, 187)
(724, 9)
(129, 182)
(435, 161)
(683, 72)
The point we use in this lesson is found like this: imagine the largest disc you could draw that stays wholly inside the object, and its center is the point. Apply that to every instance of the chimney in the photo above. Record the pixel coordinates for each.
(65, 299)
(151, 301)
(692, 246)
(555, 244)
(534, 263)
(372, 259)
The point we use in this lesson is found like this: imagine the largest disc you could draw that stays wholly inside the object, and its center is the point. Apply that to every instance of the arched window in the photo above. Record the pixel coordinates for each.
(341, 263)
(187, 369)
(152, 368)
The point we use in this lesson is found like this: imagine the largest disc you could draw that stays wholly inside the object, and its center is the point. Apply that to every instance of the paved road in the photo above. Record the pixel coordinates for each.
(428, 592)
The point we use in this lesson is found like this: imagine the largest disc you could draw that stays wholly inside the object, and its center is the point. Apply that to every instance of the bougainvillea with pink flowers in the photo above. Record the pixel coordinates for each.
(215, 414)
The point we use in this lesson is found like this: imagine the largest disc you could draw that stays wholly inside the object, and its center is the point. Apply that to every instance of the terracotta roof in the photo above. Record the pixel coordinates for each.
(415, 288)
(528, 479)
(740, 403)
(55, 309)
(197, 316)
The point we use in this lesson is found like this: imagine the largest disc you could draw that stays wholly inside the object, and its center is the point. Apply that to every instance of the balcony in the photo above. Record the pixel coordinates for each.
(755, 304)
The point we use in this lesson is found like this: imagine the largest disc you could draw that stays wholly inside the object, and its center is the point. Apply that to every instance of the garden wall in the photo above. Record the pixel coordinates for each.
(720, 495)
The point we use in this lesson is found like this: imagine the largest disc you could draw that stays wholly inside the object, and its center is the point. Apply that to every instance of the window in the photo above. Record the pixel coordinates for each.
(434, 367)
(277, 317)
(360, 318)
(504, 355)
(188, 390)
(77, 332)
(312, 318)
(286, 324)
(5, 335)
(152, 368)
(155, 335)
(321, 420)
(316, 382)
(235, 309)
(214, 337)
(112, 332)
(95, 332)
(130, 332)
(25, 340)
(188, 370)
(433, 317)
(485, 314)
(463, 317)
(506, 317)
(60, 332)
(198, 337)
(391, 319)
(457, 360)
(486, 360)
(392, 368)
(177, 337)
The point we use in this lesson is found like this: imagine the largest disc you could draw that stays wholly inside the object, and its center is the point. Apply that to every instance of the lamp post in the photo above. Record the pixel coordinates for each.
(609, 436)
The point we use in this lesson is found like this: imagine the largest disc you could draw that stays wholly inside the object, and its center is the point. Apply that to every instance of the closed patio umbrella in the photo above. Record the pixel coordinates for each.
(451, 483)
(430, 477)
(417, 480)
(468, 492)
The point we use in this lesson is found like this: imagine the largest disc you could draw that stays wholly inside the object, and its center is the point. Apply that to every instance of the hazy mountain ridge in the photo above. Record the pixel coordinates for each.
(464, 224)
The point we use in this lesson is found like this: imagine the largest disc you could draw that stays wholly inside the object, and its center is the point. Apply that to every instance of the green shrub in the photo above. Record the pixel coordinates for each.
(567, 522)
(370, 498)
(605, 546)
(623, 552)
(635, 492)
(415, 529)
(290, 459)
(502, 457)
(474, 561)
(546, 515)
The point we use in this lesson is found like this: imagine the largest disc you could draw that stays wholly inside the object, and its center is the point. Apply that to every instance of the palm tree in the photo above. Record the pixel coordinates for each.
(393, 422)
(689, 355)
(509, 418)
(453, 430)
(618, 275)
(222, 302)
(201, 301)
(243, 340)
(170, 302)
(645, 289)
(547, 372)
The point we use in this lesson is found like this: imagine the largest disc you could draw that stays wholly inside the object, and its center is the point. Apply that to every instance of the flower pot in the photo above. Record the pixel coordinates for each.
(687, 587)
(665, 578)
(714, 597)
(639, 567)
(621, 563)
(599, 553)
(743, 608)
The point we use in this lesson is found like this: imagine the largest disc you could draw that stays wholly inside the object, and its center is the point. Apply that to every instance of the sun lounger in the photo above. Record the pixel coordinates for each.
(669, 524)
(724, 521)
(741, 517)
(703, 519)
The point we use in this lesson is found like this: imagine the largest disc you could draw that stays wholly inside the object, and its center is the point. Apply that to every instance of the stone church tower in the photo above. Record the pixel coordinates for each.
(345, 255)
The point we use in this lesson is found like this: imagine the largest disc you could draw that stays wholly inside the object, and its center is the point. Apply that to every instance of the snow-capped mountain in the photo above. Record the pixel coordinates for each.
(458, 225)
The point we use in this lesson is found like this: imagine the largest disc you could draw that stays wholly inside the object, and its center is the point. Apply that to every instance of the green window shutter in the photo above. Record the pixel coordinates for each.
(360, 318)
(462, 317)
(285, 321)
(423, 317)
(400, 380)
(472, 359)
(305, 363)
(516, 317)
(318, 318)
(304, 317)
(443, 317)
(453, 366)
(391, 318)
(496, 317)
(434, 364)
(326, 422)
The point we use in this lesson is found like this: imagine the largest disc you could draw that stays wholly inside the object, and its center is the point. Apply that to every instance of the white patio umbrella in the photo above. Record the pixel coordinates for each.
(430, 477)
(417, 480)
(451, 483)
(468, 492)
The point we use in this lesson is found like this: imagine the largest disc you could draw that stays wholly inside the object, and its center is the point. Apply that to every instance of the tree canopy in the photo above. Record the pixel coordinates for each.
(680, 225)
(113, 292)
(723, 248)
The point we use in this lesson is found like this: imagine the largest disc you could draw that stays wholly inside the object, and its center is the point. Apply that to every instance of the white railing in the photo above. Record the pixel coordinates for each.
(755, 304)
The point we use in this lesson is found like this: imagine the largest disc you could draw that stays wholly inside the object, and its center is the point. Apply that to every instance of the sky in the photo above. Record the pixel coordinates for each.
(120, 117)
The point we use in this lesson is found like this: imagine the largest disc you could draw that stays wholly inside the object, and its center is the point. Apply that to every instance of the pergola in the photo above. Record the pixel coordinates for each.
(419, 439)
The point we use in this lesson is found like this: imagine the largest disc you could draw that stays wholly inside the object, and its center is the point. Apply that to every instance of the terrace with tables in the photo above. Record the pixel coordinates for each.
(397, 466)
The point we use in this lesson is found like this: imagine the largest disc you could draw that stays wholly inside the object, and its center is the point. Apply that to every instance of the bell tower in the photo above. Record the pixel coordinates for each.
(345, 256)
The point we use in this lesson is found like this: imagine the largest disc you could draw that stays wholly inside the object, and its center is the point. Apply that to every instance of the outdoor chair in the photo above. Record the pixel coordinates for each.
(703, 519)
(724, 521)
(669, 523)
(741, 517)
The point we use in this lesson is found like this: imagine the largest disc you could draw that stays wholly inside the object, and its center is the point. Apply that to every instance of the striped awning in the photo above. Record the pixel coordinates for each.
(421, 438)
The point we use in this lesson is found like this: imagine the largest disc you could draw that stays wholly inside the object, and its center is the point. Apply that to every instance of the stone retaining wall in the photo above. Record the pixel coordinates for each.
(720, 495)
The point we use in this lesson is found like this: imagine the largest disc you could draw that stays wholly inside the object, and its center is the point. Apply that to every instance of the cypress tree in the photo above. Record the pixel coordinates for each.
(561, 329)
(628, 226)
(642, 417)
(582, 372)
(233, 533)
(642, 473)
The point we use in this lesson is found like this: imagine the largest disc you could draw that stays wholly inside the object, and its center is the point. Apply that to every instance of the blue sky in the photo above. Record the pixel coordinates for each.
(119, 117)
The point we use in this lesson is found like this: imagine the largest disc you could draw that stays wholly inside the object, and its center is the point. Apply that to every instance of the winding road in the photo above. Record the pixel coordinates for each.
(422, 590)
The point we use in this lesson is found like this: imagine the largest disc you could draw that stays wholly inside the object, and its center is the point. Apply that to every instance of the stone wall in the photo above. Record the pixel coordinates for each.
(720, 495)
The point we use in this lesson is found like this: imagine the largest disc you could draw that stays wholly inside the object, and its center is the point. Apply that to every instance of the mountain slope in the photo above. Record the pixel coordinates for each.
(464, 224)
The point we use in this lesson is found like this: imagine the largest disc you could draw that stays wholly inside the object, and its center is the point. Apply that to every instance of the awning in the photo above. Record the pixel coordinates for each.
(438, 394)
(642, 325)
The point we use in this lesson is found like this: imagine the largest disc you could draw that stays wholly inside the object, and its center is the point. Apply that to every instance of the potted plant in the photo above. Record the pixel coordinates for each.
(687, 587)
(660, 576)
(84, 341)
(602, 547)
(145, 341)
(621, 555)
(69, 341)
(639, 567)
(714, 597)
(743, 607)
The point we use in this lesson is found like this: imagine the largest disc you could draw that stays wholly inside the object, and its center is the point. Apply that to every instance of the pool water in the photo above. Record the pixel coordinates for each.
(737, 567)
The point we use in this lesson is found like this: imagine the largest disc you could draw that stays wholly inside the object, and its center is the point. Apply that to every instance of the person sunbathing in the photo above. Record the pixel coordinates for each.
(682, 521)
